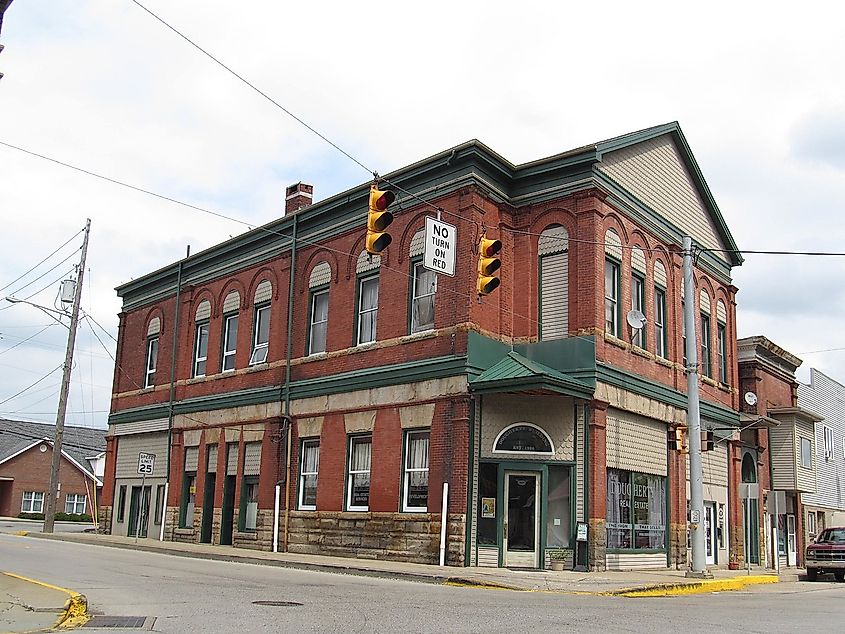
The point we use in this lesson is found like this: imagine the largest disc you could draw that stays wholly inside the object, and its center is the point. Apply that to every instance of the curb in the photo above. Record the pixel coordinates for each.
(75, 608)
(699, 587)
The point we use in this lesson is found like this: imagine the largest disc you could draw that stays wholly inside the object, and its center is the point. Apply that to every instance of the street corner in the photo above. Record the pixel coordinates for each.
(706, 586)
(69, 607)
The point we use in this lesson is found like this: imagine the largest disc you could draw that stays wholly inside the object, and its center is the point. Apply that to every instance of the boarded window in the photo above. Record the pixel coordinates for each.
(554, 283)
(252, 458)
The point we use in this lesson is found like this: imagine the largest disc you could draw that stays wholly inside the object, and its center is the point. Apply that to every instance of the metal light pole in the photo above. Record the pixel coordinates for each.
(50, 509)
(696, 478)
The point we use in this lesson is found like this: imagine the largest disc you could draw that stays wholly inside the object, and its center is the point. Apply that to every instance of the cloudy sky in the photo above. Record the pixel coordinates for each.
(102, 85)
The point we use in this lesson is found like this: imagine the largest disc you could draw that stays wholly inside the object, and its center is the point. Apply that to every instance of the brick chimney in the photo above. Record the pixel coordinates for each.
(298, 196)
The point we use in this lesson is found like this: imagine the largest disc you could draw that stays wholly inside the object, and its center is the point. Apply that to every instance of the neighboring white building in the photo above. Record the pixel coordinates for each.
(825, 507)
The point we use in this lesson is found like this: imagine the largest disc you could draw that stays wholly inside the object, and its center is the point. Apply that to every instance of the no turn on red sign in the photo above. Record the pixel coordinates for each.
(441, 240)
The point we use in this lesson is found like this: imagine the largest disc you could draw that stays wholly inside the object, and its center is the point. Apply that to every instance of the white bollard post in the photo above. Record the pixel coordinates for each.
(444, 519)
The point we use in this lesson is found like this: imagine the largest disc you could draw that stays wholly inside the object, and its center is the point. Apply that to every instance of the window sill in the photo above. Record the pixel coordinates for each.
(431, 333)
(724, 387)
(247, 534)
(708, 381)
(362, 347)
(664, 361)
(615, 341)
(307, 508)
(183, 531)
(196, 379)
(641, 352)
(316, 356)
(258, 367)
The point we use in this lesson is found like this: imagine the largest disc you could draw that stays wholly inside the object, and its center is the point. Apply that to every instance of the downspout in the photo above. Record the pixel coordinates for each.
(470, 480)
(586, 459)
(286, 386)
(172, 385)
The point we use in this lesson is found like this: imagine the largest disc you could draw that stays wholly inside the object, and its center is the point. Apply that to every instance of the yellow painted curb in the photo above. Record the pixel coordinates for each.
(20, 533)
(698, 587)
(76, 607)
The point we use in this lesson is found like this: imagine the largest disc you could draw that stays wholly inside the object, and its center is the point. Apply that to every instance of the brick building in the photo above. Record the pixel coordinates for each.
(320, 398)
(26, 452)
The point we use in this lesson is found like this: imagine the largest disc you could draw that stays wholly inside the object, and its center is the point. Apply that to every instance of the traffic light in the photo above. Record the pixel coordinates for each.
(708, 443)
(488, 264)
(677, 439)
(378, 219)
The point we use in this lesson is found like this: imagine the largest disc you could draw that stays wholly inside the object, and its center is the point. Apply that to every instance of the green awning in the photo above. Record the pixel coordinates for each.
(515, 373)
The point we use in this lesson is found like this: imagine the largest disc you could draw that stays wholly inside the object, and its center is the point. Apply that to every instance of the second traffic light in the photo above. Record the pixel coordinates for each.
(488, 264)
(378, 219)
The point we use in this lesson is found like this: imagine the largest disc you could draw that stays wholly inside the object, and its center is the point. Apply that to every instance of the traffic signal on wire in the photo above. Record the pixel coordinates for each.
(488, 264)
(677, 439)
(378, 219)
(708, 442)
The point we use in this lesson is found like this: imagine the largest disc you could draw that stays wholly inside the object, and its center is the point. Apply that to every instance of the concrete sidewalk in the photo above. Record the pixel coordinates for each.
(28, 605)
(632, 583)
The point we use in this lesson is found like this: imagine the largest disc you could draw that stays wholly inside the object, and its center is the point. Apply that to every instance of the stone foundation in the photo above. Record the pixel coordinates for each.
(411, 537)
(104, 520)
(597, 546)
(678, 546)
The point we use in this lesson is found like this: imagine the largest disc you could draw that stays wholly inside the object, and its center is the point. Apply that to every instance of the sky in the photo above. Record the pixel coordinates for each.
(102, 85)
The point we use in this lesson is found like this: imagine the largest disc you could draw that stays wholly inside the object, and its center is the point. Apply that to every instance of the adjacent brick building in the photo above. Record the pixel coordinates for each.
(320, 398)
(26, 451)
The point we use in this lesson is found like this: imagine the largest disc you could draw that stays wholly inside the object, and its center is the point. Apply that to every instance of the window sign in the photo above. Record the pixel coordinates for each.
(636, 510)
(523, 437)
(488, 507)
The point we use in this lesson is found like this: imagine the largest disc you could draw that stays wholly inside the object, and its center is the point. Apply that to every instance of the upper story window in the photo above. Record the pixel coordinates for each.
(660, 287)
(153, 331)
(318, 289)
(722, 340)
(638, 268)
(828, 443)
(553, 261)
(201, 338)
(613, 258)
(231, 306)
(806, 454)
(261, 323)
(368, 282)
(423, 287)
(704, 305)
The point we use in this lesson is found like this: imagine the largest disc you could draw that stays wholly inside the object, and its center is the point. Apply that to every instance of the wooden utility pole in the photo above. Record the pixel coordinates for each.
(52, 491)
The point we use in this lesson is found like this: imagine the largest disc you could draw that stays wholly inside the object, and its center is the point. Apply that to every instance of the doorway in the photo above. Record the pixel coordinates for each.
(791, 558)
(139, 511)
(228, 511)
(208, 508)
(521, 526)
(711, 546)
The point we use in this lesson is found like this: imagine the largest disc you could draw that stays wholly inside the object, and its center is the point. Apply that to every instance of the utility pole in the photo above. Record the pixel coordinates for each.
(52, 492)
(696, 477)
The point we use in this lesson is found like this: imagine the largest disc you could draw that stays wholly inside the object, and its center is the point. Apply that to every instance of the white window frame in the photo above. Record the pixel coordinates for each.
(311, 442)
(611, 297)
(409, 435)
(361, 310)
(260, 348)
(828, 442)
(660, 322)
(417, 296)
(72, 501)
(806, 455)
(706, 362)
(152, 362)
(638, 336)
(200, 360)
(353, 440)
(312, 347)
(229, 351)
(722, 351)
(34, 503)
(811, 523)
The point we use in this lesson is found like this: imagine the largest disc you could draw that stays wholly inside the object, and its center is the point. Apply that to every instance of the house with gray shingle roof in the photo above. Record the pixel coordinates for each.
(26, 450)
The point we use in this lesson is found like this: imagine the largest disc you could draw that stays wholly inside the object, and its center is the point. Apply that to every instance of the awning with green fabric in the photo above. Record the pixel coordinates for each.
(515, 373)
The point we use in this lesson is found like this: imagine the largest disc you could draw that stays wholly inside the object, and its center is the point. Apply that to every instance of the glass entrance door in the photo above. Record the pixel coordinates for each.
(791, 559)
(139, 511)
(521, 525)
(710, 532)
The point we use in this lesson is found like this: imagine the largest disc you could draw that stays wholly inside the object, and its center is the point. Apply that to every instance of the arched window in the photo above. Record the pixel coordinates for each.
(749, 469)
(318, 307)
(523, 438)
(553, 257)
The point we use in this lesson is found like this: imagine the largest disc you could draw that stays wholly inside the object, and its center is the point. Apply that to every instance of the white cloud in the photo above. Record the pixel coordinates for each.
(103, 85)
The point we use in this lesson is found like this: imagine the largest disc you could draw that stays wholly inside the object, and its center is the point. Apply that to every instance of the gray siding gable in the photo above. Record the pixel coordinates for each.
(826, 397)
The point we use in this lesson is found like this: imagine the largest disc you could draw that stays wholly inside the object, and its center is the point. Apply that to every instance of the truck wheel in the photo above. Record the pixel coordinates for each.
(840, 575)
(812, 574)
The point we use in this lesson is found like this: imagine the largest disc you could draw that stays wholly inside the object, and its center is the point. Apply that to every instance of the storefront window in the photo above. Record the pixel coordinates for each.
(487, 474)
(636, 510)
(557, 517)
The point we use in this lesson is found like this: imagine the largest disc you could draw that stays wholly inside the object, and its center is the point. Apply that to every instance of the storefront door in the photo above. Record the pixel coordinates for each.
(791, 559)
(139, 511)
(710, 533)
(521, 524)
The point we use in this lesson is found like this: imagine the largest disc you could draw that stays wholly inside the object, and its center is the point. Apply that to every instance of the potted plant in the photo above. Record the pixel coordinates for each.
(557, 558)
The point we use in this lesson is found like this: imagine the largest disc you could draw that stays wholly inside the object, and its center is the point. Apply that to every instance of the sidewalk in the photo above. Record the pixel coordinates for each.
(632, 583)
(28, 605)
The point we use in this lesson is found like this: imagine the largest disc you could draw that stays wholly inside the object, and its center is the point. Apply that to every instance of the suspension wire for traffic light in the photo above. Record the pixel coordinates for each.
(41, 262)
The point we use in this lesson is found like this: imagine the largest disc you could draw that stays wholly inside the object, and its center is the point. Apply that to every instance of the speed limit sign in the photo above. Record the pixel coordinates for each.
(146, 463)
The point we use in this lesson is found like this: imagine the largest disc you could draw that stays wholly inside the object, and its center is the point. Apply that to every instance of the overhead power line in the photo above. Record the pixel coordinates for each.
(59, 367)
(17, 279)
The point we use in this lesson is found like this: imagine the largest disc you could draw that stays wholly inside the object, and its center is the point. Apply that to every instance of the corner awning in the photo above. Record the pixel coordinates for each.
(517, 374)
(753, 421)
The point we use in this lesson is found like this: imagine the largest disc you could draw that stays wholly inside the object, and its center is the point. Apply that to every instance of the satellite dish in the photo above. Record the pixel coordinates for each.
(635, 319)
(751, 398)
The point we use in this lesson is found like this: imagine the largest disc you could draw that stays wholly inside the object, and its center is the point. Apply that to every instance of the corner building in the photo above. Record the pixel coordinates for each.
(301, 395)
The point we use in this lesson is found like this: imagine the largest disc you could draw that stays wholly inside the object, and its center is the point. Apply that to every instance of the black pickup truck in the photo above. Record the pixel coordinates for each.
(827, 554)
